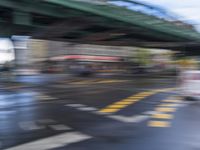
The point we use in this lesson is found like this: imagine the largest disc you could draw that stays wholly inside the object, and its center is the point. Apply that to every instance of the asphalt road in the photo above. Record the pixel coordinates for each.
(97, 113)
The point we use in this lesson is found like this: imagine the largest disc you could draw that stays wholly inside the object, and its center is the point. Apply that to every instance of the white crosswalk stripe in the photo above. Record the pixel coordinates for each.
(75, 105)
(59, 127)
(87, 109)
(30, 125)
(132, 119)
(53, 142)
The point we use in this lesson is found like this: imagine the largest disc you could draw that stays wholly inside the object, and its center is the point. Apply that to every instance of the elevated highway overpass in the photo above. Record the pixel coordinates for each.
(102, 22)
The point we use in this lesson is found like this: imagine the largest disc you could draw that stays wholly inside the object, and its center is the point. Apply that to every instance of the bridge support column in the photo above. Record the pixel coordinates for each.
(22, 59)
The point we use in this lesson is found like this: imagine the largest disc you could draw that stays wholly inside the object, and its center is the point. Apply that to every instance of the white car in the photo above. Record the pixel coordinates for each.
(190, 84)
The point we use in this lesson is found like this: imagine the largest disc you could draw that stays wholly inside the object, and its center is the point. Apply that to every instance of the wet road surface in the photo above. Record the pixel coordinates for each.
(97, 113)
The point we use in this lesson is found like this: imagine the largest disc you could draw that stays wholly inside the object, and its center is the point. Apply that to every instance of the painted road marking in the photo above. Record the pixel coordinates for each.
(131, 119)
(96, 81)
(59, 127)
(111, 81)
(108, 110)
(14, 87)
(82, 107)
(165, 109)
(30, 125)
(150, 112)
(116, 106)
(82, 82)
(100, 113)
(162, 116)
(46, 97)
(168, 105)
(171, 101)
(124, 102)
(53, 142)
(87, 109)
(75, 105)
(165, 90)
(42, 124)
(162, 124)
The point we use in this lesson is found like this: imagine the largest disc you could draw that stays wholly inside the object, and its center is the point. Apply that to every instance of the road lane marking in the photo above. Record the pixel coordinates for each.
(59, 127)
(162, 116)
(82, 82)
(165, 109)
(87, 109)
(162, 124)
(53, 142)
(129, 100)
(132, 119)
(75, 105)
(109, 110)
(168, 105)
(165, 90)
(111, 81)
(106, 81)
(96, 81)
(45, 97)
(124, 103)
(172, 101)
(116, 106)
(30, 125)
(100, 113)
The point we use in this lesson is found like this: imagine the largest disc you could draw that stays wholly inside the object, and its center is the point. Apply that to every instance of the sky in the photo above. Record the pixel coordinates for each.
(187, 10)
